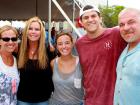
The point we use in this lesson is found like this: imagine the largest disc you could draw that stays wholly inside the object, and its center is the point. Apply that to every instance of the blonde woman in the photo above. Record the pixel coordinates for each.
(9, 76)
(35, 73)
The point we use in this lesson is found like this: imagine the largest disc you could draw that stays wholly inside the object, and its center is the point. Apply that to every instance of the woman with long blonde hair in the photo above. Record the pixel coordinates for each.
(33, 62)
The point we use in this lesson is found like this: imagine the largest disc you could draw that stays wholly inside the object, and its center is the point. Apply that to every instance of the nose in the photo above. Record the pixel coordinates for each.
(90, 19)
(32, 31)
(10, 41)
(126, 27)
(63, 45)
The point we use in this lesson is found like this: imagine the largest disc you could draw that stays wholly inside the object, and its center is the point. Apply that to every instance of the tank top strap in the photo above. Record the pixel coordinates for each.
(78, 68)
(77, 60)
(55, 69)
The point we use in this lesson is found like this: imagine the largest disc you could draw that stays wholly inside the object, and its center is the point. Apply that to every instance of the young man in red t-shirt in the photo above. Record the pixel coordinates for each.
(99, 51)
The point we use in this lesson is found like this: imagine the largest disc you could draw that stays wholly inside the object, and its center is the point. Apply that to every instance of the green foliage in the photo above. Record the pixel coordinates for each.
(110, 15)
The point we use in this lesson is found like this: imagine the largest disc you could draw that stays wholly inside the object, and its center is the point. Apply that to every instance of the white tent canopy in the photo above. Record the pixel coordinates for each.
(24, 9)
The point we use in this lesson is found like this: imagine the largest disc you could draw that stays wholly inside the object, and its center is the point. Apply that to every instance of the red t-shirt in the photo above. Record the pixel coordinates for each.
(98, 58)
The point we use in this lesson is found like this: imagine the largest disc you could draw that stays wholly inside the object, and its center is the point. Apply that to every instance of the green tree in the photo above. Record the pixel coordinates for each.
(110, 15)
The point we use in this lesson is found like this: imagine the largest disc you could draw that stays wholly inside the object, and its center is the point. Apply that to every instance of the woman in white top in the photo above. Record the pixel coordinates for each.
(9, 77)
(67, 75)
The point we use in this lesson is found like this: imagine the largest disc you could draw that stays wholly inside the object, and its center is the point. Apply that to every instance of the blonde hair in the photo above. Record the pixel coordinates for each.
(23, 52)
(6, 28)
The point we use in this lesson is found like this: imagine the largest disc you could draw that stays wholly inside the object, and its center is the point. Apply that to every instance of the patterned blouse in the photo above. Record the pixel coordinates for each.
(9, 80)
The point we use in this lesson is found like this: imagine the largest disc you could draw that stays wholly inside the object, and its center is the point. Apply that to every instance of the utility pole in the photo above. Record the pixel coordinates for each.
(107, 4)
(36, 4)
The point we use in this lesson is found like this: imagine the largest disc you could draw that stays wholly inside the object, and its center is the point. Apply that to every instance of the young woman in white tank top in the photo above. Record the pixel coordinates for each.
(67, 75)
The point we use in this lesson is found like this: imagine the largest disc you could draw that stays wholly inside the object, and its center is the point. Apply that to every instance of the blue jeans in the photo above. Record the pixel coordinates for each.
(27, 103)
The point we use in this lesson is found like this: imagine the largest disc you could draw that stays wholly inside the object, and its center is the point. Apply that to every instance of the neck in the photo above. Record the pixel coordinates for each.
(132, 46)
(6, 54)
(96, 33)
(7, 58)
(66, 58)
(33, 44)
(33, 47)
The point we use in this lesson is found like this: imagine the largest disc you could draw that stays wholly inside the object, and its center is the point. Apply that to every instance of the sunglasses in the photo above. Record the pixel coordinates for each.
(6, 39)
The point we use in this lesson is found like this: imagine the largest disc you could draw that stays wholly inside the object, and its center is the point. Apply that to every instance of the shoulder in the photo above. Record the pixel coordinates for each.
(81, 39)
(113, 30)
(52, 63)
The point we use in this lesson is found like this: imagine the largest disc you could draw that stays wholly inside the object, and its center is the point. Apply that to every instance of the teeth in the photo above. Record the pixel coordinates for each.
(10, 46)
(64, 50)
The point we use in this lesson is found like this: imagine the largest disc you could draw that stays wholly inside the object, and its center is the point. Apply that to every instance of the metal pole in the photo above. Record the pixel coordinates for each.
(107, 4)
(73, 12)
(67, 18)
(49, 21)
(36, 4)
(78, 4)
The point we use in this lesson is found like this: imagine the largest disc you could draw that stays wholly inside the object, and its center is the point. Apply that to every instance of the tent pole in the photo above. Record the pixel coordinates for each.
(36, 3)
(67, 18)
(73, 12)
(49, 21)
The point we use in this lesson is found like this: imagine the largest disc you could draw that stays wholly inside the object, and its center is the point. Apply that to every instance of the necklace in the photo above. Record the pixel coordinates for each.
(33, 53)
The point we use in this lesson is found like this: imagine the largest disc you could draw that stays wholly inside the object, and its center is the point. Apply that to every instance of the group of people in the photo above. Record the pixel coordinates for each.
(105, 72)
(29, 80)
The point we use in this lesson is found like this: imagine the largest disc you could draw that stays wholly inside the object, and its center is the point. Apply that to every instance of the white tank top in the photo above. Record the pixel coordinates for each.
(68, 89)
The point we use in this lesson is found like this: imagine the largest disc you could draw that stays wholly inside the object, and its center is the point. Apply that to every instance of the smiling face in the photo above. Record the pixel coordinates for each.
(64, 45)
(129, 23)
(34, 31)
(6, 44)
(91, 21)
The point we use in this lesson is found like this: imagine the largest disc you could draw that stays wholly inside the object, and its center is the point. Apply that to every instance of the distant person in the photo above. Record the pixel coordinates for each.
(36, 86)
(127, 90)
(47, 39)
(98, 51)
(9, 76)
(20, 33)
(53, 35)
(67, 74)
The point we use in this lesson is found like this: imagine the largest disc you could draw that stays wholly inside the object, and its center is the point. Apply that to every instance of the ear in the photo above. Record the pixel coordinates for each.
(101, 20)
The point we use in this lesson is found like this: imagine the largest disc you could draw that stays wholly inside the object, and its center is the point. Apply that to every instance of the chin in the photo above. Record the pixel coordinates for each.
(10, 51)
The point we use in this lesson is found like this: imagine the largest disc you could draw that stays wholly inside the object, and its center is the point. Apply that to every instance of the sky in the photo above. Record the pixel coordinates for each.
(126, 3)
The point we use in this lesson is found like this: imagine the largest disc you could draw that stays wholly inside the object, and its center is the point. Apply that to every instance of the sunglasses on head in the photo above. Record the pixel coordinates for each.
(6, 39)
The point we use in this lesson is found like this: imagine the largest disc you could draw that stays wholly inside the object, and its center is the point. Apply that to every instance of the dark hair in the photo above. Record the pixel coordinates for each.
(88, 7)
(62, 33)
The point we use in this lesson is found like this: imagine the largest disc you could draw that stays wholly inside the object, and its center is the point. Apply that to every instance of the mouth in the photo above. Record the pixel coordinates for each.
(33, 36)
(11, 46)
(64, 50)
(129, 36)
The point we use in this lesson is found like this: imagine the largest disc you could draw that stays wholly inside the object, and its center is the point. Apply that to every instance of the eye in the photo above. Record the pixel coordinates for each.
(30, 28)
(93, 16)
(37, 29)
(131, 22)
(59, 44)
(121, 25)
(67, 42)
(85, 17)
